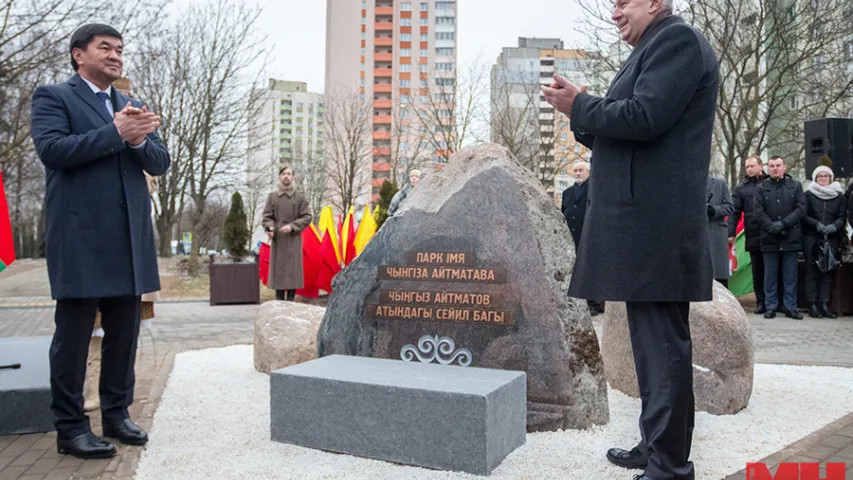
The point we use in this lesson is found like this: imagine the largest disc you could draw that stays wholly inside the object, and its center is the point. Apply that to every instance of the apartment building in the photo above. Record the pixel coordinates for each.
(515, 80)
(399, 56)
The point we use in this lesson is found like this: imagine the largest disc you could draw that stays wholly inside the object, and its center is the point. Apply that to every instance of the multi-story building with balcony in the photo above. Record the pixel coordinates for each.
(399, 56)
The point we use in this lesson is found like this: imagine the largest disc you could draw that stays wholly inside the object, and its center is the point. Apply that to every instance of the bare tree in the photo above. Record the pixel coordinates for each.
(450, 110)
(514, 115)
(348, 147)
(312, 179)
(201, 71)
(408, 143)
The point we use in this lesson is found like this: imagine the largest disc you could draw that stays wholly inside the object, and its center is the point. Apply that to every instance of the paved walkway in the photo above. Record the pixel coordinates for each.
(26, 310)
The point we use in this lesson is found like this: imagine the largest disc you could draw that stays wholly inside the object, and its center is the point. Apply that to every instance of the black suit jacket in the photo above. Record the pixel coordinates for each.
(574, 209)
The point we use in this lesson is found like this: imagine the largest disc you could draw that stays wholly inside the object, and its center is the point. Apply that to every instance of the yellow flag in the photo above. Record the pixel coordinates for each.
(327, 227)
(366, 230)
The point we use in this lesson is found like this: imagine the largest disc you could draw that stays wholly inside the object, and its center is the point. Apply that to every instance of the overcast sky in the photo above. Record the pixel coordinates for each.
(297, 31)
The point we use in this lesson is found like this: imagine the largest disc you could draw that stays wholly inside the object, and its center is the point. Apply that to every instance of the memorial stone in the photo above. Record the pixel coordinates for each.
(474, 270)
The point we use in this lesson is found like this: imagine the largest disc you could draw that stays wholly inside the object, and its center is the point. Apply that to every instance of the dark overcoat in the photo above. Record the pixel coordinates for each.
(780, 200)
(286, 248)
(99, 239)
(743, 198)
(720, 203)
(574, 209)
(646, 234)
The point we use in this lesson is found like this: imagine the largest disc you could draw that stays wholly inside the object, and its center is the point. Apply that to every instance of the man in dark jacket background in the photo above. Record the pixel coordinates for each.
(743, 198)
(780, 205)
(96, 145)
(645, 240)
(574, 210)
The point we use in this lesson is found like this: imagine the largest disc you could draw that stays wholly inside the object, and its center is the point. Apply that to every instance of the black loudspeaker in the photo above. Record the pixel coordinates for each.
(833, 138)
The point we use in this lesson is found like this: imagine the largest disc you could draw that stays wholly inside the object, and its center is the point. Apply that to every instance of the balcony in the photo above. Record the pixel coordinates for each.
(383, 42)
(381, 167)
(384, 11)
(382, 104)
(383, 57)
(382, 72)
(382, 88)
(383, 26)
(382, 135)
(382, 119)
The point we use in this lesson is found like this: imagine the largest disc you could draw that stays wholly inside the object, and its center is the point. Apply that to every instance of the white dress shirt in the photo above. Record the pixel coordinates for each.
(109, 104)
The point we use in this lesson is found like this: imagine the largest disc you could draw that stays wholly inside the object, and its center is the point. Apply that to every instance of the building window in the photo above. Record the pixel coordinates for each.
(564, 136)
(424, 22)
(404, 114)
(405, 83)
(405, 52)
(406, 22)
(445, 36)
(364, 20)
(424, 99)
(424, 68)
(406, 37)
(444, 5)
(405, 67)
(445, 82)
(444, 52)
(446, 67)
(424, 84)
(363, 35)
(424, 6)
(404, 99)
(406, 6)
(445, 20)
(424, 37)
(424, 52)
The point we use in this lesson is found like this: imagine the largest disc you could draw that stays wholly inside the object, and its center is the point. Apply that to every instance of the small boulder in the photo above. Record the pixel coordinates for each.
(285, 334)
(723, 355)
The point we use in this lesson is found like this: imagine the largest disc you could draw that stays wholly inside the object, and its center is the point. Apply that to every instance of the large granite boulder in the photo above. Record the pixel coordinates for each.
(474, 268)
(723, 355)
(285, 334)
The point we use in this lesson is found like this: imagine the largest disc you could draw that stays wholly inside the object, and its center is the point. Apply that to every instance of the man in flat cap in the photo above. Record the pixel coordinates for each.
(96, 146)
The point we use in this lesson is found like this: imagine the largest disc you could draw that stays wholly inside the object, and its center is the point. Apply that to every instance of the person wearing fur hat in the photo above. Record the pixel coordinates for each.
(826, 216)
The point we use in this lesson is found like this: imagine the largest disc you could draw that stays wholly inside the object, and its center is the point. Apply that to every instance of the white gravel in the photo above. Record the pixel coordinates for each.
(213, 423)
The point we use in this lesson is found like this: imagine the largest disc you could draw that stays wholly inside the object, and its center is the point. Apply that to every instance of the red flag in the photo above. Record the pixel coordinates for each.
(312, 264)
(330, 262)
(7, 243)
(264, 259)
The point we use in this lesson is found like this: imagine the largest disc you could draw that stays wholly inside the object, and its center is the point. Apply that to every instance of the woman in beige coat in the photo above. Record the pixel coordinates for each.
(286, 214)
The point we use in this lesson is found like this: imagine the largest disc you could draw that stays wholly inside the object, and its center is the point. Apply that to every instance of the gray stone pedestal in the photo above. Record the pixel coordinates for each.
(25, 391)
(435, 416)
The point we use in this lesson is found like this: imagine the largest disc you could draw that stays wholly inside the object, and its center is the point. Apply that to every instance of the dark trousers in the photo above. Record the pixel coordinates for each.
(818, 284)
(291, 294)
(786, 263)
(593, 305)
(663, 355)
(756, 259)
(75, 319)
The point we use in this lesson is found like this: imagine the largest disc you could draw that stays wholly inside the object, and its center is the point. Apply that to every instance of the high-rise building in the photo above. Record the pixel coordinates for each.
(523, 121)
(399, 56)
(288, 129)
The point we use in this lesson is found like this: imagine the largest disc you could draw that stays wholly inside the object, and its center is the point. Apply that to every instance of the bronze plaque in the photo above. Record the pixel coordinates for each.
(447, 259)
(441, 314)
(442, 274)
(440, 298)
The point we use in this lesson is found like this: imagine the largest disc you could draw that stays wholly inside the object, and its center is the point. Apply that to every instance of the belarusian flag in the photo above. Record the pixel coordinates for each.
(7, 245)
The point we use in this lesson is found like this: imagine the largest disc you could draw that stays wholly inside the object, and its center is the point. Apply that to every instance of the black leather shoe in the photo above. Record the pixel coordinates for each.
(760, 309)
(632, 459)
(85, 446)
(827, 313)
(770, 314)
(793, 314)
(126, 432)
(814, 311)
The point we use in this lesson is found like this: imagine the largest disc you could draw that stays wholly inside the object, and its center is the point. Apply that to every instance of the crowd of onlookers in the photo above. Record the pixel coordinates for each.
(780, 219)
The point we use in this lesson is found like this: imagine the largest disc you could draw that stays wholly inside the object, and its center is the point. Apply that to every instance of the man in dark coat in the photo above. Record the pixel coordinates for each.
(645, 241)
(573, 206)
(780, 205)
(743, 198)
(95, 145)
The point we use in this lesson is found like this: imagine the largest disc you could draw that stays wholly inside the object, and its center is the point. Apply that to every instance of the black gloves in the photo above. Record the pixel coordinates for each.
(821, 228)
(775, 228)
(711, 211)
(830, 229)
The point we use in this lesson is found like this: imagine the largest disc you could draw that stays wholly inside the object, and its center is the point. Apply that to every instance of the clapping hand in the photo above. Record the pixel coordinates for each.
(561, 94)
(134, 124)
(821, 228)
(286, 229)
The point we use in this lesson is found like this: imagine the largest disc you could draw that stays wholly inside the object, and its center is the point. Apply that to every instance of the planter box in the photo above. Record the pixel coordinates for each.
(234, 283)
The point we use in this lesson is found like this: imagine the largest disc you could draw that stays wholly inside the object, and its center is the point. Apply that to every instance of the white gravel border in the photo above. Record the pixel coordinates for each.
(213, 423)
